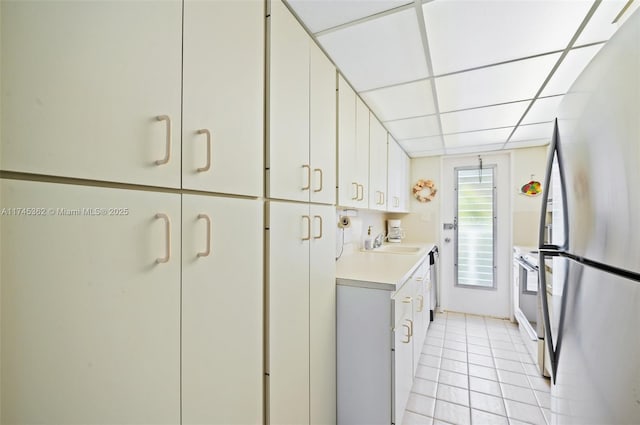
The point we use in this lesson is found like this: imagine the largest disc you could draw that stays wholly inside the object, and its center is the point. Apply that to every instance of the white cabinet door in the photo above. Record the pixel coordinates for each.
(322, 314)
(348, 185)
(83, 84)
(377, 165)
(404, 340)
(223, 100)
(90, 318)
(362, 153)
(288, 169)
(322, 127)
(222, 371)
(419, 331)
(289, 234)
(398, 178)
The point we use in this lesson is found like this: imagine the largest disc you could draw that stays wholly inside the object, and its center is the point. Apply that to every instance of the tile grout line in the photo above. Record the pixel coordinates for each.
(495, 366)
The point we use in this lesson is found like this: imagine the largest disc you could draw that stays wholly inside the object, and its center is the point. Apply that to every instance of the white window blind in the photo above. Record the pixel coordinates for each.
(475, 231)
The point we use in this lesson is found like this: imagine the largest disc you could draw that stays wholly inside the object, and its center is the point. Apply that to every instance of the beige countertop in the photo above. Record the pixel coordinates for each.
(380, 270)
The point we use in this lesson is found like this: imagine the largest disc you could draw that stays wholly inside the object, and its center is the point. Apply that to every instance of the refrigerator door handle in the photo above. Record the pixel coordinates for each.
(542, 292)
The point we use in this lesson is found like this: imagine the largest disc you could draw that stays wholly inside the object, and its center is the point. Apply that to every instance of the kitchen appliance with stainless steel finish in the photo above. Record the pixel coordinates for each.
(590, 269)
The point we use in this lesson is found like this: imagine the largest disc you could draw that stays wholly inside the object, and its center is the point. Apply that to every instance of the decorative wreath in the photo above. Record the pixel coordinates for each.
(422, 184)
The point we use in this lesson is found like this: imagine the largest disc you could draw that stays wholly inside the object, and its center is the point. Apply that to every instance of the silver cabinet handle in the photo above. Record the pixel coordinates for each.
(308, 237)
(320, 235)
(208, 164)
(207, 251)
(308, 186)
(167, 155)
(355, 197)
(408, 334)
(318, 170)
(167, 224)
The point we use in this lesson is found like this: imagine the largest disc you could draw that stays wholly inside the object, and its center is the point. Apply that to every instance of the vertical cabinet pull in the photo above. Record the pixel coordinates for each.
(167, 155)
(410, 329)
(357, 187)
(421, 303)
(319, 236)
(308, 237)
(382, 198)
(408, 340)
(208, 164)
(318, 170)
(167, 224)
(207, 219)
(360, 193)
(308, 186)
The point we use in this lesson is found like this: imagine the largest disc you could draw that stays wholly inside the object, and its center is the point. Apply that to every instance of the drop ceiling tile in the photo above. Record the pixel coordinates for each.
(414, 127)
(474, 149)
(403, 101)
(483, 118)
(543, 109)
(320, 15)
(600, 26)
(422, 154)
(572, 65)
(477, 138)
(422, 144)
(379, 52)
(497, 84)
(528, 143)
(533, 132)
(468, 34)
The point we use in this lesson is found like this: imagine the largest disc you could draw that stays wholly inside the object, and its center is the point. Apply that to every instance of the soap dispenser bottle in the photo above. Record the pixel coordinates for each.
(368, 242)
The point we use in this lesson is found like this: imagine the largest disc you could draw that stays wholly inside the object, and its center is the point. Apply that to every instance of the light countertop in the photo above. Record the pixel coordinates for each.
(380, 270)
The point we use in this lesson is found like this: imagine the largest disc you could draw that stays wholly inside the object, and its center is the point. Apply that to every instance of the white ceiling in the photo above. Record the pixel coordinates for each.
(459, 76)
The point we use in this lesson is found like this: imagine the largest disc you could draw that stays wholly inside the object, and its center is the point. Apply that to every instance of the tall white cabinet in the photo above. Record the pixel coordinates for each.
(90, 305)
(397, 178)
(302, 114)
(301, 331)
(377, 165)
(301, 166)
(136, 293)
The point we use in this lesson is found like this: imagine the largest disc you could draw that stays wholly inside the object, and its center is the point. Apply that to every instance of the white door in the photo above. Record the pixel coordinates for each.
(322, 137)
(289, 235)
(90, 318)
(289, 171)
(223, 100)
(348, 185)
(475, 257)
(83, 86)
(222, 373)
(322, 315)
(377, 165)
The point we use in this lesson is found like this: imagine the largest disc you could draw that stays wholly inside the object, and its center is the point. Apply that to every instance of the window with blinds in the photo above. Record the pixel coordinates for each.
(475, 234)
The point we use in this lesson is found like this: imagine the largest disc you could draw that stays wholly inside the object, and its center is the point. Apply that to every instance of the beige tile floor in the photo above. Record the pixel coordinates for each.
(476, 370)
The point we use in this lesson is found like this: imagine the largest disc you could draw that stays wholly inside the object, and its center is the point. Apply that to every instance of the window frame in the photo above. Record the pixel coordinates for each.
(494, 285)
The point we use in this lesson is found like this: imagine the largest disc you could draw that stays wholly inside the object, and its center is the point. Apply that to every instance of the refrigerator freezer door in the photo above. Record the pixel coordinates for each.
(598, 367)
(599, 130)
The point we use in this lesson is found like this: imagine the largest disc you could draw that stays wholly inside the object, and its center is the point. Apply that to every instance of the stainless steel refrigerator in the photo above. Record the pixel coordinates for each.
(590, 241)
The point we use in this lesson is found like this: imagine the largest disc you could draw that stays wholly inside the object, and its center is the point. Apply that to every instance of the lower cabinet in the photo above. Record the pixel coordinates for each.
(380, 334)
(301, 313)
(101, 288)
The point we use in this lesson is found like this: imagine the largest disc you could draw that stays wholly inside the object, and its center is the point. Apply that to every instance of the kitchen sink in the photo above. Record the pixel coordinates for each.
(394, 249)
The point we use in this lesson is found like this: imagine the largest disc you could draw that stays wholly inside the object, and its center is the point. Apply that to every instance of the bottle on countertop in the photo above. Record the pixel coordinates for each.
(368, 242)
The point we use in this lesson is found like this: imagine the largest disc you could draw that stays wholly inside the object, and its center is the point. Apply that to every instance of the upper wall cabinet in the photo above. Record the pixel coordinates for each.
(301, 136)
(92, 90)
(223, 124)
(353, 148)
(377, 165)
(398, 178)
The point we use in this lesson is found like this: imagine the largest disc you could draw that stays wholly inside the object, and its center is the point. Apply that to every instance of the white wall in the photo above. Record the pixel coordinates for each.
(526, 210)
(356, 233)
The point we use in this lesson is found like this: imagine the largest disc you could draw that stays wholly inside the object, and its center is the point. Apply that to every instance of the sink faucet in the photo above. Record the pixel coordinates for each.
(378, 240)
